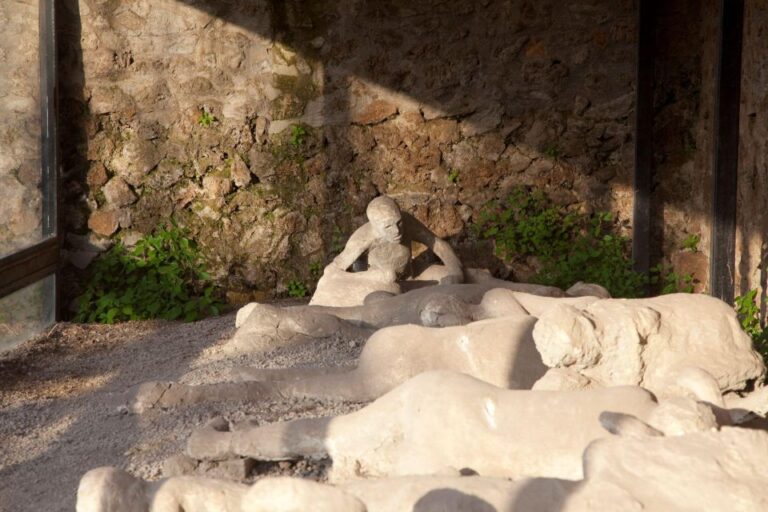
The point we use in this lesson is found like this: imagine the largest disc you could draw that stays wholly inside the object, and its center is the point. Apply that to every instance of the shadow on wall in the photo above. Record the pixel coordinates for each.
(317, 107)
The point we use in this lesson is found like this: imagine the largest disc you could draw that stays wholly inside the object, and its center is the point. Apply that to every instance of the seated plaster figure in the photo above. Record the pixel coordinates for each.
(670, 345)
(386, 239)
(264, 327)
(710, 470)
(498, 349)
(441, 422)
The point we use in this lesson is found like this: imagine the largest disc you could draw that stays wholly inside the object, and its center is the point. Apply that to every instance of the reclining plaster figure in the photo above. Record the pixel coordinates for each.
(639, 468)
(441, 422)
(264, 327)
(498, 350)
(714, 470)
(670, 345)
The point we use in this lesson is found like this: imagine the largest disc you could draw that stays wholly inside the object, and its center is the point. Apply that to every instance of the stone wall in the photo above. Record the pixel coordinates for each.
(265, 127)
(20, 199)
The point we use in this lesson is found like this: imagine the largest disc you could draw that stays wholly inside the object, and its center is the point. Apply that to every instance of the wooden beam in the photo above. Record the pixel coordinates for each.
(726, 150)
(28, 266)
(643, 175)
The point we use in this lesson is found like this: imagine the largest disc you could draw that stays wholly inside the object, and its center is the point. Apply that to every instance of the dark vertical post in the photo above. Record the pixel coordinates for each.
(48, 138)
(726, 150)
(643, 176)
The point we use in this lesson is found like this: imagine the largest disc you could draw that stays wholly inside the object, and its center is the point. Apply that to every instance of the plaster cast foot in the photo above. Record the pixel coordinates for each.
(746, 408)
(211, 442)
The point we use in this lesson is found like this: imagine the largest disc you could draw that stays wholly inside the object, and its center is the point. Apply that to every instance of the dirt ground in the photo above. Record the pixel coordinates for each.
(63, 403)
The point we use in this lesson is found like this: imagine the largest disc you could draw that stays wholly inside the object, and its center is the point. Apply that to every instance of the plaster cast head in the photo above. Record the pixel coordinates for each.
(385, 218)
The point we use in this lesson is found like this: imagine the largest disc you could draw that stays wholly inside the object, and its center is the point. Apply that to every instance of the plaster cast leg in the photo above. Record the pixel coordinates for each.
(277, 441)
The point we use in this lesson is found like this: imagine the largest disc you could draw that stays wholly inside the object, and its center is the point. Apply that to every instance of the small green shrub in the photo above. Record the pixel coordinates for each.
(551, 151)
(163, 276)
(298, 134)
(671, 281)
(749, 316)
(570, 247)
(453, 176)
(206, 119)
(316, 269)
(691, 242)
(525, 224)
(296, 288)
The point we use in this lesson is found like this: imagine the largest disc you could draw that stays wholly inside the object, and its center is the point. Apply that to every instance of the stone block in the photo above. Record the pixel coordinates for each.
(118, 193)
(375, 112)
(241, 175)
(104, 222)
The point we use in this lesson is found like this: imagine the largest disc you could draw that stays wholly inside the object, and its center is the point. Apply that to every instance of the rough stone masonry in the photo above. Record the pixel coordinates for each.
(266, 127)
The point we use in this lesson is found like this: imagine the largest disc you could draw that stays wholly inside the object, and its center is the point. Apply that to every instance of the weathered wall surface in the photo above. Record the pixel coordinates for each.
(20, 200)
(752, 231)
(686, 48)
(442, 104)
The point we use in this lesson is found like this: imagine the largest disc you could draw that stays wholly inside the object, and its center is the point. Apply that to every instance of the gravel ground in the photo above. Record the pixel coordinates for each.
(63, 395)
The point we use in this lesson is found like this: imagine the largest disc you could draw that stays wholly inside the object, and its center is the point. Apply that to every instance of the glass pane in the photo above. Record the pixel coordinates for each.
(26, 312)
(20, 126)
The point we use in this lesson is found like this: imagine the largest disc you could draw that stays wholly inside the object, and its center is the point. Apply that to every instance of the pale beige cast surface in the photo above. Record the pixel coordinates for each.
(386, 239)
(671, 345)
(499, 351)
(712, 470)
(441, 422)
(263, 327)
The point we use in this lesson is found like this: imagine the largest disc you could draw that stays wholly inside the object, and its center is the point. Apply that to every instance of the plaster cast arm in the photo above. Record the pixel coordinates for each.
(358, 243)
(442, 249)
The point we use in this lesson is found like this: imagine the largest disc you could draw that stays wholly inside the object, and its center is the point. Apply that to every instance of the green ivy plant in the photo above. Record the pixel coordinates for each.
(162, 276)
(525, 224)
(206, 119)
(296, 288)
(298, 134)
(671, 281)
(551, 151)
(316, 269)
(691, 242)
(749, 315)
(570, 247)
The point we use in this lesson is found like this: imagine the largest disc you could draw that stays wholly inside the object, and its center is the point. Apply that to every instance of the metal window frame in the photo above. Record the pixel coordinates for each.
(642, 182)
(726, 150)
(31, 264)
